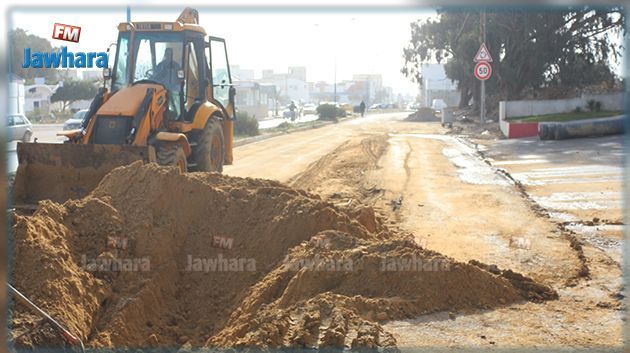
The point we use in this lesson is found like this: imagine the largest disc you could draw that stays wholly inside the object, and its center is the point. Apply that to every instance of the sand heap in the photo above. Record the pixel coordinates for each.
(155, 258)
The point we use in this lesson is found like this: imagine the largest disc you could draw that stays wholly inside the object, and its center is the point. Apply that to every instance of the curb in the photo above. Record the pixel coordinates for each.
(253, 139)
(582, 128)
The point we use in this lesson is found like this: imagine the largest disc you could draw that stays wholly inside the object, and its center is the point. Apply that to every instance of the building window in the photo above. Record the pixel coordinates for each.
(36, 104)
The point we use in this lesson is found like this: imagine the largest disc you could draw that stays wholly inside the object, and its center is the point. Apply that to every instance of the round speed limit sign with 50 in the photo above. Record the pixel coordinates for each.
(483, 70)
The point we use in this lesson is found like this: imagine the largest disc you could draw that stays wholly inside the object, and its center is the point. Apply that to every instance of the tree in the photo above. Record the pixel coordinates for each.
(73, 91)
(569, 48)
(20, 39)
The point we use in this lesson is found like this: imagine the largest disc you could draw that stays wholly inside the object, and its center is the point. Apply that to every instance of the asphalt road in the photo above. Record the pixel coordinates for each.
(578, 181)
(47, 133)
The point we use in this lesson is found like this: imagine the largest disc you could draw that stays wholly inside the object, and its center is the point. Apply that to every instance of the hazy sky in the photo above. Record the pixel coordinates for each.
(361, 42)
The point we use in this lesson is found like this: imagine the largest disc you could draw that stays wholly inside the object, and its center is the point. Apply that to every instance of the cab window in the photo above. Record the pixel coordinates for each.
(192, 76)
(220, 72)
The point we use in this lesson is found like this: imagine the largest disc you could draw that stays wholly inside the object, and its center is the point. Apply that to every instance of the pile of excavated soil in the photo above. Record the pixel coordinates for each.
(155, 258)
(423, 114)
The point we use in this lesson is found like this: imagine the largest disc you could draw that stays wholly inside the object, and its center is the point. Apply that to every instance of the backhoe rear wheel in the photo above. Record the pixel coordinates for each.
(172, 154)
(210, 153)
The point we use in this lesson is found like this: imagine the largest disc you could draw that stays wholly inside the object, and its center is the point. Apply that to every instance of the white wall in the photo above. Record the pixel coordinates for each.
(611, 101)
(16, 97)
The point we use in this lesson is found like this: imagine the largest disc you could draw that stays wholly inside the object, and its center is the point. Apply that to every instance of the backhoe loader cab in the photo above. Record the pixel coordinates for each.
(193, 68)
(170, 101)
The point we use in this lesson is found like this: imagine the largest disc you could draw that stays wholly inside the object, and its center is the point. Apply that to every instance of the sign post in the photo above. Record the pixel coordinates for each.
(483, 70)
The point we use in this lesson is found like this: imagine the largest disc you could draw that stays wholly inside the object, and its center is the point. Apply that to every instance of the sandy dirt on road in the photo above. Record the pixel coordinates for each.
(153, 258)
(440, 189)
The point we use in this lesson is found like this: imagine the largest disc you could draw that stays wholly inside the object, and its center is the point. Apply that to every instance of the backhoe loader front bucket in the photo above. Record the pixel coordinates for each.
(60, 172)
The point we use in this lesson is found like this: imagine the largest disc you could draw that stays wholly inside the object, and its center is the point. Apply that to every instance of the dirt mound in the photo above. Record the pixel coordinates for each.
(155, 258)
(334, 286)
(423, 114)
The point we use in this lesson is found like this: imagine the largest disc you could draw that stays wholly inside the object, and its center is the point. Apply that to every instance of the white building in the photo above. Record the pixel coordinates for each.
(240, 74)
(37, 97)
(291, 85)
(373, 86)
(253, 100)
(435, 84)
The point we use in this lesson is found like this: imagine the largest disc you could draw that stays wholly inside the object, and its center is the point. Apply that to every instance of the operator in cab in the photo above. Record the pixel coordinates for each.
(166, 74)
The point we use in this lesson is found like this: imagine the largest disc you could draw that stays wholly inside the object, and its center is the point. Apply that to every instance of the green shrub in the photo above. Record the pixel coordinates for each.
(61, 116)
(285, 125)
(594, 106)
(578, 109)
(35, 116)
(244, 125)
(330, 112)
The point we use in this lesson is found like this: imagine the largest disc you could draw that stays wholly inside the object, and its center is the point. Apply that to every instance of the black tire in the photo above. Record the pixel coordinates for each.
(172, 154)
(210, 151)
(27, 137)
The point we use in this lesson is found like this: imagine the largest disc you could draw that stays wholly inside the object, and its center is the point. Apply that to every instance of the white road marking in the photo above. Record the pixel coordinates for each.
(470, 168)
(523, 161)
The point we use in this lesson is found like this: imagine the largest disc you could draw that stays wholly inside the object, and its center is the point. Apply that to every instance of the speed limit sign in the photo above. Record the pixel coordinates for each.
(483, 70)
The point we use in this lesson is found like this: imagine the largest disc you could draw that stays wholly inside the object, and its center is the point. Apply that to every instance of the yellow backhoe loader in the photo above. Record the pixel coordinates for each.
(170, 101)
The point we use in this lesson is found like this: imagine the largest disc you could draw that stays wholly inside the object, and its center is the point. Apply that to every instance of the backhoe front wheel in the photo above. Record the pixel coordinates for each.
(172, 154)
(210, 152)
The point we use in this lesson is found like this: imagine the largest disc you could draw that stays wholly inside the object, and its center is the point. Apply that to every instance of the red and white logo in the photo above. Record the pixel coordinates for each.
(68, 33)
(483, 70)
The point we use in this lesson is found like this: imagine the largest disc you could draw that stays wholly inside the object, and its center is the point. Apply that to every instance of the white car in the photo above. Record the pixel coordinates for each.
(413, 106)
(438, 104)
(376, 106)
(76, 120)
(19, 128)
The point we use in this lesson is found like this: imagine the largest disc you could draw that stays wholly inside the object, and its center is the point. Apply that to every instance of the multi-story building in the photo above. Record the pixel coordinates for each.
(372, 85)
(290, 86)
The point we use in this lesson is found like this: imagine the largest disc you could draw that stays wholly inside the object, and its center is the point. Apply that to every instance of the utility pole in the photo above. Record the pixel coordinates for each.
(482, 105)
(335, 79)
(128, 13)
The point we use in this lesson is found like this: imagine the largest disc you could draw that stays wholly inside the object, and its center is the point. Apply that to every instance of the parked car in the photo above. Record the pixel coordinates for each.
(376, 106)
(413, 106)
(76, 120)
(347, 107)
(19, 128)
(309, 109)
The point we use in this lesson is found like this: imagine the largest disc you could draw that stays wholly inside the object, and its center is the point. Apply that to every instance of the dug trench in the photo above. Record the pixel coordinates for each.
(154, 258)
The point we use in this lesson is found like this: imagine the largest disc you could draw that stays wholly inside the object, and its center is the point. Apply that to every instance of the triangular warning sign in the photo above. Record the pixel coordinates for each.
(483, 54)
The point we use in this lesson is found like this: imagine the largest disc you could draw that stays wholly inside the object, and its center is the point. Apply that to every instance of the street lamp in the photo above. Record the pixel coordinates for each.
(334, 70)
